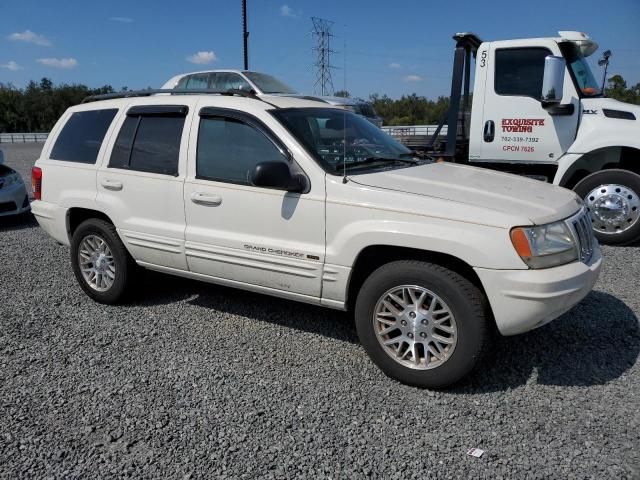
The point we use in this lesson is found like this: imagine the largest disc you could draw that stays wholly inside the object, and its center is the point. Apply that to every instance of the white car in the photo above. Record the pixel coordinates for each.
(13, 194)
(295, 199)
(264, 84)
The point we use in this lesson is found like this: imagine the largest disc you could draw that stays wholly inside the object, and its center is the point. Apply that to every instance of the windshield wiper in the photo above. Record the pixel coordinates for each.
(368, 160)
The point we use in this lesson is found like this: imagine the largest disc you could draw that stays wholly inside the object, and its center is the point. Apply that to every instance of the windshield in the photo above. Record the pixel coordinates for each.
(581, 72)
(341, 140)
(268, 84)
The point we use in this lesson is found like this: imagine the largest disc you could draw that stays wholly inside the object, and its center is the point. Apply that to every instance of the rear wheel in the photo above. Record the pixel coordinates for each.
(613, 200)
(103, 267)
(421, 323)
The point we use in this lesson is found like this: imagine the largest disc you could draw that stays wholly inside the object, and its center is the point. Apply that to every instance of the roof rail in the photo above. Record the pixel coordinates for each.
(172, 91)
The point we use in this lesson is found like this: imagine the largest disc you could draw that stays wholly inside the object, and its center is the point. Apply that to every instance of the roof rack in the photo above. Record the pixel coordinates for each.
(174, 91)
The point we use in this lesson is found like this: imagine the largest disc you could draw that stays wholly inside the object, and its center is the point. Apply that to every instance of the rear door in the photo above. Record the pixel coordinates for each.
(141, 183)
(515, 125)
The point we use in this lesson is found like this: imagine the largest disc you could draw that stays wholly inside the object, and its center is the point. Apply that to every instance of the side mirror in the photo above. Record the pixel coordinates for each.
(553, 81)
(277, 175)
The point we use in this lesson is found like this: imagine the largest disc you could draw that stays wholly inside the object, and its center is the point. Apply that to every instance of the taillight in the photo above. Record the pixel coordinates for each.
(36, 182)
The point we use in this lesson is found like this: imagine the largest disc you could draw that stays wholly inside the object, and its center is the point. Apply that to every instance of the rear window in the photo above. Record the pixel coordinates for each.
(82, 135)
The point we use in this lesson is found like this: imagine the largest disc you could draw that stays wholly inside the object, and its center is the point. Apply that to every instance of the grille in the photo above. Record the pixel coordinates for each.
(583, 231)
(7, 207)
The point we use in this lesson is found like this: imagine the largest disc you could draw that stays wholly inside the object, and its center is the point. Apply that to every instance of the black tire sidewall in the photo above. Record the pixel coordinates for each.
(107, 232)
(606, 177)
(464, 300)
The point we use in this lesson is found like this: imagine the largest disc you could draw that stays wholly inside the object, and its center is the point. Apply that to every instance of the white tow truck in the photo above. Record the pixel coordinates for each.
(537, 110)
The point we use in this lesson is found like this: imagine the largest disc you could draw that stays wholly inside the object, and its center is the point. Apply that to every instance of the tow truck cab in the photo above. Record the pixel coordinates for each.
(538, 110)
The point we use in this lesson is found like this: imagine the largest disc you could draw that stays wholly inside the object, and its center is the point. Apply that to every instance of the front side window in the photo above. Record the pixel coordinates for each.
(223, 81)
(82, 135)
(343, 141)
(229, 149)
(519, 71)
(149, 143)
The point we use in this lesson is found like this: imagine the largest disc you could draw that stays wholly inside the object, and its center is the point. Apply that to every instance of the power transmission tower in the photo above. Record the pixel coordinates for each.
(322, 32)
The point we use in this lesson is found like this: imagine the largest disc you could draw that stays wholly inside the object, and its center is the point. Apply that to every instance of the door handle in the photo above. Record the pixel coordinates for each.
(489, 131)
(206, 200)
(111, 184)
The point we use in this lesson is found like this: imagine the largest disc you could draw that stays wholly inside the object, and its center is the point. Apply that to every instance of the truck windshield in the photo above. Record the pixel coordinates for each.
(342, 141)
(581, 72)
(268, 84)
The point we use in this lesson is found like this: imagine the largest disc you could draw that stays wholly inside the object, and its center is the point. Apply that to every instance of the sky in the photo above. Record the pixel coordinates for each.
(387, 47)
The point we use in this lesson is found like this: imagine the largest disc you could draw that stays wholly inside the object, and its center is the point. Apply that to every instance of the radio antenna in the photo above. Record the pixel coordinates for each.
(344, 114)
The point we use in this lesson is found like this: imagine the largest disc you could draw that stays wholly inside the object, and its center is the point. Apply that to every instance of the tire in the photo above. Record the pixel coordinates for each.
(118, 270)
(621, 189)
(463, 300)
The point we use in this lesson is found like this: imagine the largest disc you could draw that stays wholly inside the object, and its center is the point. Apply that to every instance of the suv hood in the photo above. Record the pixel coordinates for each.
(513, 195)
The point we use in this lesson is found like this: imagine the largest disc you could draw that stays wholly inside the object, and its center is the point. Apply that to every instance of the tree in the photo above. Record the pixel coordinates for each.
(342, 93)
(617, 88)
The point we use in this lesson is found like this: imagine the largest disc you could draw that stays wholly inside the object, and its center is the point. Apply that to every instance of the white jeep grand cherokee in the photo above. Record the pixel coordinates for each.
(287, 197)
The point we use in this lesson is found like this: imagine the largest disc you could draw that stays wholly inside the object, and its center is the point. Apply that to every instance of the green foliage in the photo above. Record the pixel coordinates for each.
(37, 107)
(410, 109)
(342, 93)
(617, 88)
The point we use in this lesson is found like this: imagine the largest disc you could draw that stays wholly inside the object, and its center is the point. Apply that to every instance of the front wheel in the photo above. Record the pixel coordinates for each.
(421, 323)
(613, 199)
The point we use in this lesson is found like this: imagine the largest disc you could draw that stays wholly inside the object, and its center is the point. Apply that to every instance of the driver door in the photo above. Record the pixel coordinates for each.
(241, 233)
(515, 125)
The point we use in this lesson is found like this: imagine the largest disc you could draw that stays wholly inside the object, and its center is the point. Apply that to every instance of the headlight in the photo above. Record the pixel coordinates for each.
(12, 179)
(545, 246)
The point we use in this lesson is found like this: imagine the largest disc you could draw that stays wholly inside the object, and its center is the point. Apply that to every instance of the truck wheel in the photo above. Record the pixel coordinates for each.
(421, 323)
(613, 198)
(100, 261)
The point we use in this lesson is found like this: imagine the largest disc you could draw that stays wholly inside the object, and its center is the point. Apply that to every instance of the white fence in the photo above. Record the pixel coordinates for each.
(23, 137)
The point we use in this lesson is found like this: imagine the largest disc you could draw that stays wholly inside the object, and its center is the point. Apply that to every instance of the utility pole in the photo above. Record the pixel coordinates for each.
(604, 61)
(322, 32)
(245, 35)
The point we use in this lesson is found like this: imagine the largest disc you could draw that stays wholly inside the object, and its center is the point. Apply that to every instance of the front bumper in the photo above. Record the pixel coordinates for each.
(14, 200)
(522, 300)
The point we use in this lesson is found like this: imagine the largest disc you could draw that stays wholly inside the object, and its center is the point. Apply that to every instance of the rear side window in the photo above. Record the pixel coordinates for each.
(149, 140)
(229, 150)
(82, 135)
(519, 71)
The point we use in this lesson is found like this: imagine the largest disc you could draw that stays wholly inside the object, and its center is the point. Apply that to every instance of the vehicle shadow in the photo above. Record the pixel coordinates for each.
(594, 343)
(18, 222)
(159, 289)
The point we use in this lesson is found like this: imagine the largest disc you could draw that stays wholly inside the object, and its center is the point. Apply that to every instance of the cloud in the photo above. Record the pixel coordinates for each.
(30, 37)
(287, 11)
(202, 58)
(58, 62)
(11, 65)
(413, 78)
(394, 65)
(121, 19)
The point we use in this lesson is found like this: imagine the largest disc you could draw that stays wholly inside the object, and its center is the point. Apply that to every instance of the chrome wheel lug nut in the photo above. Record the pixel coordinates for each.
(403, 323)
(410, 335)
(424, 321)
(412, 315)
(423, 335)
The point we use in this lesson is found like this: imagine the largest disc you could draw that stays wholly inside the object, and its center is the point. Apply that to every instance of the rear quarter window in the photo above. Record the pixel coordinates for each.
(81, 137)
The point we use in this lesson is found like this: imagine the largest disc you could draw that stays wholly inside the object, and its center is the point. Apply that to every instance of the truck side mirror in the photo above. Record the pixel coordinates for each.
(553, 81)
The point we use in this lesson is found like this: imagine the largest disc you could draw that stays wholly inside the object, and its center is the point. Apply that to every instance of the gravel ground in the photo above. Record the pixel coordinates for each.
(198, 381)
